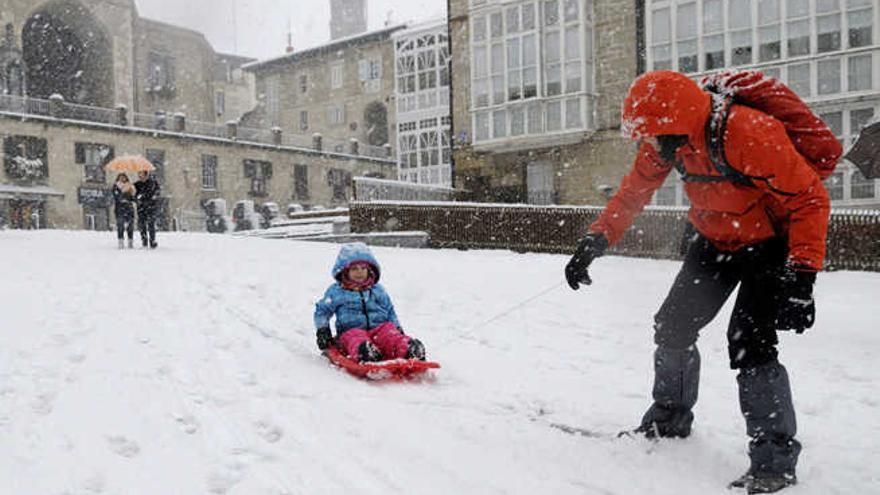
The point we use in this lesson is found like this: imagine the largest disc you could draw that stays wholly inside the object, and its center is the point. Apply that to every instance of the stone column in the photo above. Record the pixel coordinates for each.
(56, 106)
(121, 115)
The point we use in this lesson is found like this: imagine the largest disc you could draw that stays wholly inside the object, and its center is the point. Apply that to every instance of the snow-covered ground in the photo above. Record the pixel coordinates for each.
(192, 369)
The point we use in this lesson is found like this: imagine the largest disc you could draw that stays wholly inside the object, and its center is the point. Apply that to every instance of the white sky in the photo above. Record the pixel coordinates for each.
(262, 24)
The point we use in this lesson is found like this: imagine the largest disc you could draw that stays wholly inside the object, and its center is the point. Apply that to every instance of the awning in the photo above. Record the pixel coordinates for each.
(8, 191)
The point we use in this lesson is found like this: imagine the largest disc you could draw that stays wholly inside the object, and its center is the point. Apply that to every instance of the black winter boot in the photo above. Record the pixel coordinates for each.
(367, 352)
(415, 350)
(765, 401)
(676, 380)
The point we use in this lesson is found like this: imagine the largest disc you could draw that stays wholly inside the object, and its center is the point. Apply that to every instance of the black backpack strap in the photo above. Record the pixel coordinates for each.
(716, 127)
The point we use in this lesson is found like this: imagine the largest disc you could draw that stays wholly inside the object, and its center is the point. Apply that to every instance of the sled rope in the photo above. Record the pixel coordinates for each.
(505, 312)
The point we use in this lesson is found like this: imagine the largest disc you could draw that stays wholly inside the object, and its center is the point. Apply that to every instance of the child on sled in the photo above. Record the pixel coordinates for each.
(367, 328)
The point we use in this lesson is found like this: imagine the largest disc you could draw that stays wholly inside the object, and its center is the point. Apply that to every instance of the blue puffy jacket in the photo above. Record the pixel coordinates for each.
(354, 309)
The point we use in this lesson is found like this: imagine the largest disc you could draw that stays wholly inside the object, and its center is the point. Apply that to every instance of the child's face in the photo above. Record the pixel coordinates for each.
(358, 273)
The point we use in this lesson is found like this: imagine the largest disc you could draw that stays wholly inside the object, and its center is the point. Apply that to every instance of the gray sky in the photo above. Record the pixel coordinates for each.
(262, 24)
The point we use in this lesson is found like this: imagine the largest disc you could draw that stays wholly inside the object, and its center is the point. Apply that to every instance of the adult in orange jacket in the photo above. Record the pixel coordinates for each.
(762, 226)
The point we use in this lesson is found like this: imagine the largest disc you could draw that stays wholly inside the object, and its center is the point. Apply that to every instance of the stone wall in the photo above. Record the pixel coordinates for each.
(183, 170)
(193, 70)
(319, 96)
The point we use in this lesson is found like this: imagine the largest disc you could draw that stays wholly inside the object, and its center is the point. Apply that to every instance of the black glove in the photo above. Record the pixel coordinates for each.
(589, 248)
(797, 310)
(325, 338)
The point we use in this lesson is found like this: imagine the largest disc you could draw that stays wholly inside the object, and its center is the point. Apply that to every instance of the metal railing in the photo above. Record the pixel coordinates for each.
(255, 135)
(298, 140)
(149, 121)
(90, 114)
(205, 129)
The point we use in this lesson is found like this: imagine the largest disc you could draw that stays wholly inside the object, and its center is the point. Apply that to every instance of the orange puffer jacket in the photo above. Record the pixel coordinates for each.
(787, 198)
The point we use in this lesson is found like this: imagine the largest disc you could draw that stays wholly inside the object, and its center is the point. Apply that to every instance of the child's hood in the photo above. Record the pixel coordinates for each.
(349, 253)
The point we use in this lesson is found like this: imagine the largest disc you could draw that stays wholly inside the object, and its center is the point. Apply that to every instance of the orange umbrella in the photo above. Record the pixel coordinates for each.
(129, 164)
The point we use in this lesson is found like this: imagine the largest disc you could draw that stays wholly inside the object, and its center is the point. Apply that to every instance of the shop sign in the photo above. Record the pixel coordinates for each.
(96, 197)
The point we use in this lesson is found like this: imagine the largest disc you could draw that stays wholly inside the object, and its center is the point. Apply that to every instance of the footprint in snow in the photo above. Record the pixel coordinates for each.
(269, 432)
(43, 404)
(188, 423)
(221, 483)
(123, 446)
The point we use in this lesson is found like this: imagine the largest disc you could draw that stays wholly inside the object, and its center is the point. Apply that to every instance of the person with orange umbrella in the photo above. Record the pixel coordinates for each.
(123, 199)
(146, 193)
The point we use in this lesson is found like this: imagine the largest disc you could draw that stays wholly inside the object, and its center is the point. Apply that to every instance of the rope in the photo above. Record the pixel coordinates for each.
(504, 313)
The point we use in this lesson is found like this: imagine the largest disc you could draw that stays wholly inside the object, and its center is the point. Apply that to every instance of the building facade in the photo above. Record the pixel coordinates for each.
(422, 95)
(347, 18)
(82, 81)
(53, 172)
(825, 50)
(341, 90)
(518, 135)
(537, 89)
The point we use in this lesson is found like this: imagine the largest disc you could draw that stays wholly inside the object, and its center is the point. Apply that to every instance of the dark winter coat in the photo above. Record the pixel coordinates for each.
(123, 203)
(147, 194)
(354, 309)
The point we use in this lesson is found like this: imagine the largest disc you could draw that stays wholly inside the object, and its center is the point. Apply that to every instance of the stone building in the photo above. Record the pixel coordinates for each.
(234, 88)
(102, 53)
(422, 79)
(53, 170)
(825, 50)
(341, 90)
(515, 139)
(85, 80)
(537, 89)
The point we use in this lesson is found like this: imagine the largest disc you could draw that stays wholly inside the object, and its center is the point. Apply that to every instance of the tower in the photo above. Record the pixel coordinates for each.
(347, 18)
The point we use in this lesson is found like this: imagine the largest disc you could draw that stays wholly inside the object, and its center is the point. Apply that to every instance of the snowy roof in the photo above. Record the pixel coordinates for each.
(428, 25)
(337, 44)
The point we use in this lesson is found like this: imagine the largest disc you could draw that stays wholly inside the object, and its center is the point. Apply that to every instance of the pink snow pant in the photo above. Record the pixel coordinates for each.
(386, 337)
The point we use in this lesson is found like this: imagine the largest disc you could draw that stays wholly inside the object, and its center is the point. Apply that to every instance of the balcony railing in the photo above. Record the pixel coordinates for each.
(56, 107)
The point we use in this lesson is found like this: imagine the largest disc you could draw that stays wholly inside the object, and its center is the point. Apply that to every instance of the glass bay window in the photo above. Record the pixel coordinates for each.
(531, 68)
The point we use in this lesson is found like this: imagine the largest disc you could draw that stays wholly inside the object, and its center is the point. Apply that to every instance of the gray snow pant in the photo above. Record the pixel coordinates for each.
(706, 280)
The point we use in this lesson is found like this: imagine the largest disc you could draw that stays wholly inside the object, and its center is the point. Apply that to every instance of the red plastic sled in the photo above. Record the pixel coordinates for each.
(382, 370)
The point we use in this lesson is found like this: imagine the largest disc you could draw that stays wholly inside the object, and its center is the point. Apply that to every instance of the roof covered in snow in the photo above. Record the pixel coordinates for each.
(333, 46)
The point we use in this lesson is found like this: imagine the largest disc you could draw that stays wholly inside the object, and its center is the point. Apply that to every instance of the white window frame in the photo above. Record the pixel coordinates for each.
(814, 59)
(209, 173)
(336, 114)
(574, 109)
(337, 74)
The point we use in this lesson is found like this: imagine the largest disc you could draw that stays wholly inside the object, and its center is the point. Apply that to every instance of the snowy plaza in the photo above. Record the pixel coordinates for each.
(193, 369)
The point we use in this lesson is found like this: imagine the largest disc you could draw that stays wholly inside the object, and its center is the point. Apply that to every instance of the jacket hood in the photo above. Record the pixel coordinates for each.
(349, 253)
(664, 102)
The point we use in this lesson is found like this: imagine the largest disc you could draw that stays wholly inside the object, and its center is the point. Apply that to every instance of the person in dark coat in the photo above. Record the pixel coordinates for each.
(123, 201)
(147, 195)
